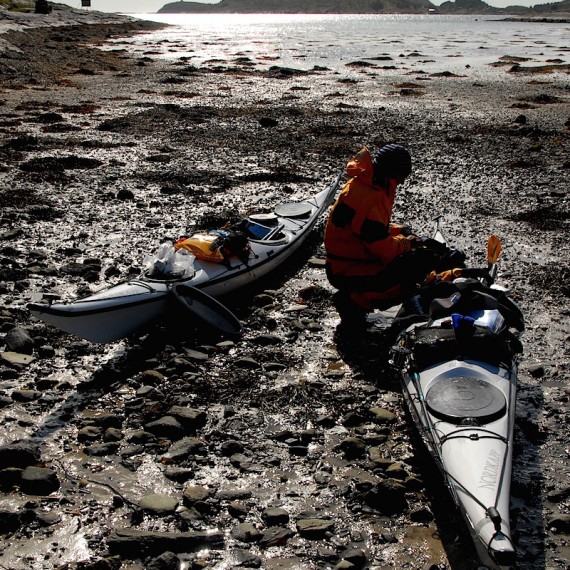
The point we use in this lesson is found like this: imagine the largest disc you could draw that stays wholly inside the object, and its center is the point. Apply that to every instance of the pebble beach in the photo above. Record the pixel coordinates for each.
(290, 448)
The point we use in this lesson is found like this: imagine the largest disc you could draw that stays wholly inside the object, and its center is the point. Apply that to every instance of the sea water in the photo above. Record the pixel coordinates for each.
(430, 42)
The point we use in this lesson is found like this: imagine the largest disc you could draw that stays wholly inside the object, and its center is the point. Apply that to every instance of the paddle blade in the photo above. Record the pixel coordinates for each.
(207, 310)
(493, 249)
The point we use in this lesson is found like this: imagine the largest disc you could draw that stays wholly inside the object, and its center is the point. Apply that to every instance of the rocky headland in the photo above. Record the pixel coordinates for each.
(560, 10)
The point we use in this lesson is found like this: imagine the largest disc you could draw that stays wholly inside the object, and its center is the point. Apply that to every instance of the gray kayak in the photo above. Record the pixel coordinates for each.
(459, 379)
(129, 307)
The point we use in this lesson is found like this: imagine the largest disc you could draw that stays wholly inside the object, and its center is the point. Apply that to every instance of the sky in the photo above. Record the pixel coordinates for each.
(144, 6)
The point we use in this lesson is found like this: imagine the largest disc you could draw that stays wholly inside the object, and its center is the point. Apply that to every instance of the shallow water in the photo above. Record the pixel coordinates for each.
(430, 42)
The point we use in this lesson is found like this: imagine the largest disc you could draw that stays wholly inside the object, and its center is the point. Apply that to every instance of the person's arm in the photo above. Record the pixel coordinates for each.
(378, 239)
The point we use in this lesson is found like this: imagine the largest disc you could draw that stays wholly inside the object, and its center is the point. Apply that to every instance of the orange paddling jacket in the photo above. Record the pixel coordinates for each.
(359, 238)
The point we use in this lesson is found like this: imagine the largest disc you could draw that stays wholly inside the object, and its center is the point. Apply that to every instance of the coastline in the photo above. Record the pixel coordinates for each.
(37, 59)
(105, 155)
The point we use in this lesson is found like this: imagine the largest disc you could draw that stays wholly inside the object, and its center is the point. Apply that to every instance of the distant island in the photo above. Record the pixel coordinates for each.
(362, 7)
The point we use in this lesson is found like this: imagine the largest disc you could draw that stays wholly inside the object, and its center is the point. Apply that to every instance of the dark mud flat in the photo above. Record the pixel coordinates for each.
(290, 448)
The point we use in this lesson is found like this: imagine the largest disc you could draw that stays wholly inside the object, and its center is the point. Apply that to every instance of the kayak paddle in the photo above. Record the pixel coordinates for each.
(494, 247)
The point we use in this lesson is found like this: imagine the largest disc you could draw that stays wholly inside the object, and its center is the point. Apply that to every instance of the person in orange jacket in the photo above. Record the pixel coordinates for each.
(372, 262)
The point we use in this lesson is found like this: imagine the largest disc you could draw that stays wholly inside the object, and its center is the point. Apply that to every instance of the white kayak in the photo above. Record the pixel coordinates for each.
(459, 377)
(129, 307)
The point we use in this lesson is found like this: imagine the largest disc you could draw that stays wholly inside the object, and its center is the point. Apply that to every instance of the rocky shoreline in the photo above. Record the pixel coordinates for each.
(292, 447)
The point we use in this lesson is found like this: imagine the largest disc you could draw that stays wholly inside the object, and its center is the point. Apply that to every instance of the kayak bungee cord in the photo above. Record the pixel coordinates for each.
(458, 434)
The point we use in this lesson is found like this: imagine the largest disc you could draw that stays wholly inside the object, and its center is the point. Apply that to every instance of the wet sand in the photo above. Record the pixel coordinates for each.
(104, 156)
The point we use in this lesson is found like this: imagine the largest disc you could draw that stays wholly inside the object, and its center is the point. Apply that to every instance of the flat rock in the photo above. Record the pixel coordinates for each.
(19, 340)
(130, 542)
(246, 532)
(191, 419)
(39, 481)
(314, 529)
(275, 535)
(16, 358)
(19, 454)
(184, 448)
(159, 504)
(382, 416)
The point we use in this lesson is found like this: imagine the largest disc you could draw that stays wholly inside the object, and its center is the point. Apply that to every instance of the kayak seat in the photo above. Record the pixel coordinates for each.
(260, 232)
(434, 345)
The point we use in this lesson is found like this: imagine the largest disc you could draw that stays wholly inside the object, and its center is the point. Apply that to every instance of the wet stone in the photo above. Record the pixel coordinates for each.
(275, 535)
(178, 474)
(377, 457)
(151, 378)
(26, 395)
(184, 448)
(355, 556)
(421, 515)
(325, 421)
(345, 565)
(352, 447)
(387, 496)
(196, 355)
(194, 493)
(141, 436)
(263, 300)
(352, 419)
(298, 450)
(314, 529)
(245, 559)
(125, 194)
(166, 561)
(537, 370)
(5, 401)
(413, 483)
(10, 477)
(129, 543)
(19, 340)
(244, 463)
(131, 450)
(559, 523)
(167, 426)
(9, 521)
(247, 363)
(159, 504)
(238, 510)
(246, 532)
(89, 433)
(191, 419)
(106, 420)
(231, 447)
(101, 449)
(19, 454)
(274, 366)
(145, 391)
(267, 339)
(39, 481)
(16, 358)
(48, 519)
(382, 416)
(234, 494)
(113, 434)
(396, 471)
(275, 516)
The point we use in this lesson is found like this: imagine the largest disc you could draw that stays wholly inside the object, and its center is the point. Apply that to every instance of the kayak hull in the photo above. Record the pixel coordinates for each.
(475, 460)
(129, 307)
